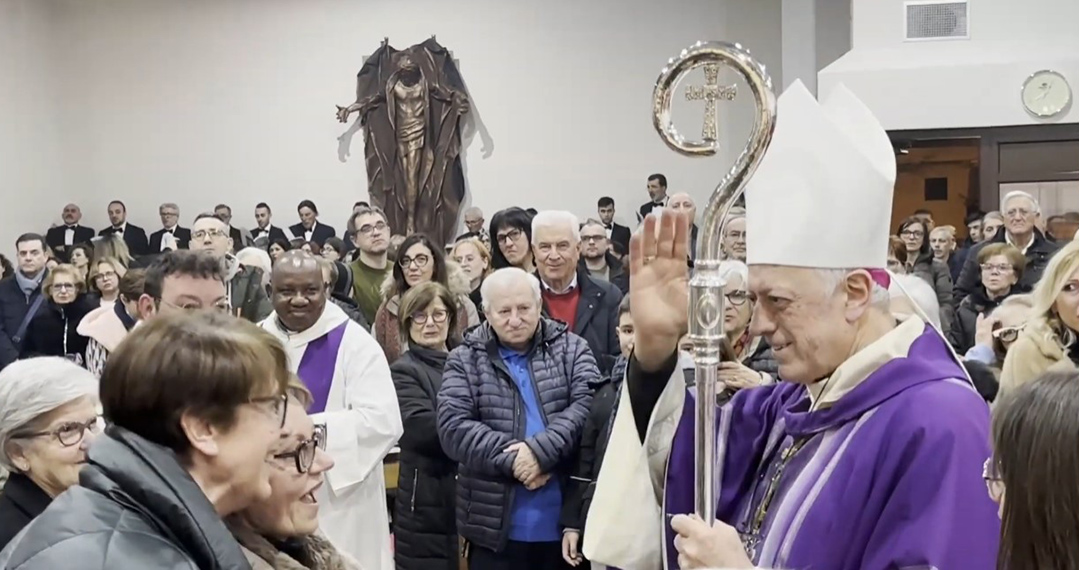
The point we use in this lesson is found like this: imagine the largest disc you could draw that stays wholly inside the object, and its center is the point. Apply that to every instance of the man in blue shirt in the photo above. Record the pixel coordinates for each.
(511, 409)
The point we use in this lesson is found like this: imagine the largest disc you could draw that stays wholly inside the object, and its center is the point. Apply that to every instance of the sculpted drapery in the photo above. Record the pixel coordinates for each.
(410, 103)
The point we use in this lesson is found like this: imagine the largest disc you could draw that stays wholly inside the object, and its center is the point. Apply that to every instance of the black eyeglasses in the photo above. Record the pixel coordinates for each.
(737, 298)
(274, 406)
(438, 316)
(511, 235)
(304, 455)
(420, 260)
(70, 433)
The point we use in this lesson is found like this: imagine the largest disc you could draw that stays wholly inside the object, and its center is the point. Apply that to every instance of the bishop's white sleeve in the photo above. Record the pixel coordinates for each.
(360, 437)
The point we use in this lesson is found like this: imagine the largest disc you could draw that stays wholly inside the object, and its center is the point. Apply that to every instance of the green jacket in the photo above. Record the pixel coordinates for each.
(248, 295)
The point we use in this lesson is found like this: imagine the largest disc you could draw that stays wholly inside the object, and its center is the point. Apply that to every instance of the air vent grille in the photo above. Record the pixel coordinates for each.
(936, 21)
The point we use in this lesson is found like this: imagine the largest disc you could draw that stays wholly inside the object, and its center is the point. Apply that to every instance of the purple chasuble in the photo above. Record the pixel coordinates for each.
(318, 365)
(888, 477)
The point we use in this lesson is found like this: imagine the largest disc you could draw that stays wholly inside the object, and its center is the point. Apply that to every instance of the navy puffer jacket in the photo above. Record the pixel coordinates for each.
(480, 413)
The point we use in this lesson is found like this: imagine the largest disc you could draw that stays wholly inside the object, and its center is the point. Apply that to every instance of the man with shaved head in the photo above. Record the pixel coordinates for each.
(61, 238)
(353, 396)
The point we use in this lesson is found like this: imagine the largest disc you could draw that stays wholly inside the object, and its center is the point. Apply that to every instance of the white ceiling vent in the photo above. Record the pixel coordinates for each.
(936, 20)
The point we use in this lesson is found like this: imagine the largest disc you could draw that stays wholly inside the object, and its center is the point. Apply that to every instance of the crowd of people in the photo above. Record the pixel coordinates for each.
(217, 397)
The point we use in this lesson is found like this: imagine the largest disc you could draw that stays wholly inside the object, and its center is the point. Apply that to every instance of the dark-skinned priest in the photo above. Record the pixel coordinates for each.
(868, 454)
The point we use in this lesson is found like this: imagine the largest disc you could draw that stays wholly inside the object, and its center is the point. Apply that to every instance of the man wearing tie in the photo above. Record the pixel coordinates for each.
(309, 227)
(615, 233)
(171, 236)
(134, 236)
(61, 238)
(265, 233)
(657, 191)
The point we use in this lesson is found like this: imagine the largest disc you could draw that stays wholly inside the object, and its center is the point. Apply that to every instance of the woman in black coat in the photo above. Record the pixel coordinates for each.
(53, 331)
(425, 533)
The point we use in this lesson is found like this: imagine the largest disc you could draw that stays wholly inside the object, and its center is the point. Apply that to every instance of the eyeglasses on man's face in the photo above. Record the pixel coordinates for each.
(188, 306)
(737, 298)
(69, 433)
(368, 228)
(593, 238)
(304, 455)
(212, 234)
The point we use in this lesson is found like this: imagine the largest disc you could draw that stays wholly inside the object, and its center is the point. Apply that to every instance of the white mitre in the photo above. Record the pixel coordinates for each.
(822, 196)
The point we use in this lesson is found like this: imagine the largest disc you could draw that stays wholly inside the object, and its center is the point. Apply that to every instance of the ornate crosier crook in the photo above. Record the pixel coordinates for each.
(706, 285)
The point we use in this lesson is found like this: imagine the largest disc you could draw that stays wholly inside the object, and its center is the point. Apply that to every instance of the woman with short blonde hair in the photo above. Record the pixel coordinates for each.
(1049, 339)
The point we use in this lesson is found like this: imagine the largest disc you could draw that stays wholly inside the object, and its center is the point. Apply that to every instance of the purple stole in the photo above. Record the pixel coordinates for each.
(318, 365)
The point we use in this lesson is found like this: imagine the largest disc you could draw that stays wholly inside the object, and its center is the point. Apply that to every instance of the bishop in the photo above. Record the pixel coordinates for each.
(868, 455)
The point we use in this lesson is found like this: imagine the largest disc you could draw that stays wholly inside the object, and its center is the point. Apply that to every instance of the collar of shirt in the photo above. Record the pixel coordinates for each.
(1008, 240)
(572, 285)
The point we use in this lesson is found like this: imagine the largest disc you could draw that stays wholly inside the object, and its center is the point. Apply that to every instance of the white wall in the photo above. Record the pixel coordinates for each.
(201, 102)
(32, 164)
(958, 83)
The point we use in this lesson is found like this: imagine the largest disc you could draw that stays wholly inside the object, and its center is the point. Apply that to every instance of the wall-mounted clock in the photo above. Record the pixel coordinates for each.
(1046, 94)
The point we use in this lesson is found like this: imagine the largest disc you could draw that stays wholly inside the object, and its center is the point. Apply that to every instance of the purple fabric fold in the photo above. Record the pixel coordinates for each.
(318, 365)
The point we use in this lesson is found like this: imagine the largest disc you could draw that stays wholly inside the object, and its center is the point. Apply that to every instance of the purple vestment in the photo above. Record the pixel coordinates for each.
(318, 365)
(888, 477)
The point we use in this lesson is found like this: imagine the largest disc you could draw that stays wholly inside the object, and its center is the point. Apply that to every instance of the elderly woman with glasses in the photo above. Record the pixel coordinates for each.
(195, 407)
(425, 532)
(281, 532)
(753, 363)
(54, 329)
(48, 417)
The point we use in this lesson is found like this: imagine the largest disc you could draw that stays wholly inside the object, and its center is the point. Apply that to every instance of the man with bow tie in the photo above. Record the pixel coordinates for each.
(61, 238)
(265, 232)
(133, 236)
(171, 236)
(615, 233)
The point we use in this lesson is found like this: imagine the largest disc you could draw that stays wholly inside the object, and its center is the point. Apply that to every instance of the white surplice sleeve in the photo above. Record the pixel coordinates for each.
(625, 522)
(360, 436)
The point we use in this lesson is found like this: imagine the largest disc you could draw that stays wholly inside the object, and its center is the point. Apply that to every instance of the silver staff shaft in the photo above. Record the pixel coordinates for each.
(706, 299)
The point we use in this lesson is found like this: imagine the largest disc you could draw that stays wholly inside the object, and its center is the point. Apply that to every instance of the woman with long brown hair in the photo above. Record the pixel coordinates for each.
(1032, 474)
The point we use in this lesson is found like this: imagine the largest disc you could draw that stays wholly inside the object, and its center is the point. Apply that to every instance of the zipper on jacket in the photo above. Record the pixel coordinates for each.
(415, 481)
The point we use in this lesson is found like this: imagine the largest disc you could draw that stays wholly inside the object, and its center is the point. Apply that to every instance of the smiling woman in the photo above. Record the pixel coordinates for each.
(195, 404)
(48, 417)
(282, 531)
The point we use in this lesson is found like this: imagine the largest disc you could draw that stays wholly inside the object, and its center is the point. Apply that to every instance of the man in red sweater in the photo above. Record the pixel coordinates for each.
(588, 306)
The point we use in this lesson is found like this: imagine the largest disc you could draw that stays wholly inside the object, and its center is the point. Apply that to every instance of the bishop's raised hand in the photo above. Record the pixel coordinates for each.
(659, 287)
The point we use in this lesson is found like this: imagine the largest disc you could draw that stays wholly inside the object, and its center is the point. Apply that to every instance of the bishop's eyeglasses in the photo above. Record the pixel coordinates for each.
(304, 455)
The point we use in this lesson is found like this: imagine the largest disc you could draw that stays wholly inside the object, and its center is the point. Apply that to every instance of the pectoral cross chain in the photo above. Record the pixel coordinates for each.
(710, 93)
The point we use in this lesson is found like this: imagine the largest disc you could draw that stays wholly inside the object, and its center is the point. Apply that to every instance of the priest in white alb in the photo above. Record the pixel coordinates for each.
(349, 380)
(868, 454)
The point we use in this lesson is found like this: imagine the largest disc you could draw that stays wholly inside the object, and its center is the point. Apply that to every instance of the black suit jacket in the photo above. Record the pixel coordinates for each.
(321, 234)
(183, 239)
(54, 238)
(21, 501)
(273, 234)
(621, 234)
(134, 237)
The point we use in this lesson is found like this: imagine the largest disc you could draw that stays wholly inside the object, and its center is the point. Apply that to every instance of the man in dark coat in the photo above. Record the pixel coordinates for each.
(133, 236)
(588, 305)
(61, 238)
(410, 102)
(170, 225)
(21, 297)
(616, 233)
(1020, 211)
(597, 261)
(511, 410)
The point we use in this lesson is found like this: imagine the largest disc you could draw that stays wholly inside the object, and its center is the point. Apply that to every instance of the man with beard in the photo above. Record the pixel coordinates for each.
(353, 396)
(369, 270)
(133, 236)
(597, 259)
(61, 238)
